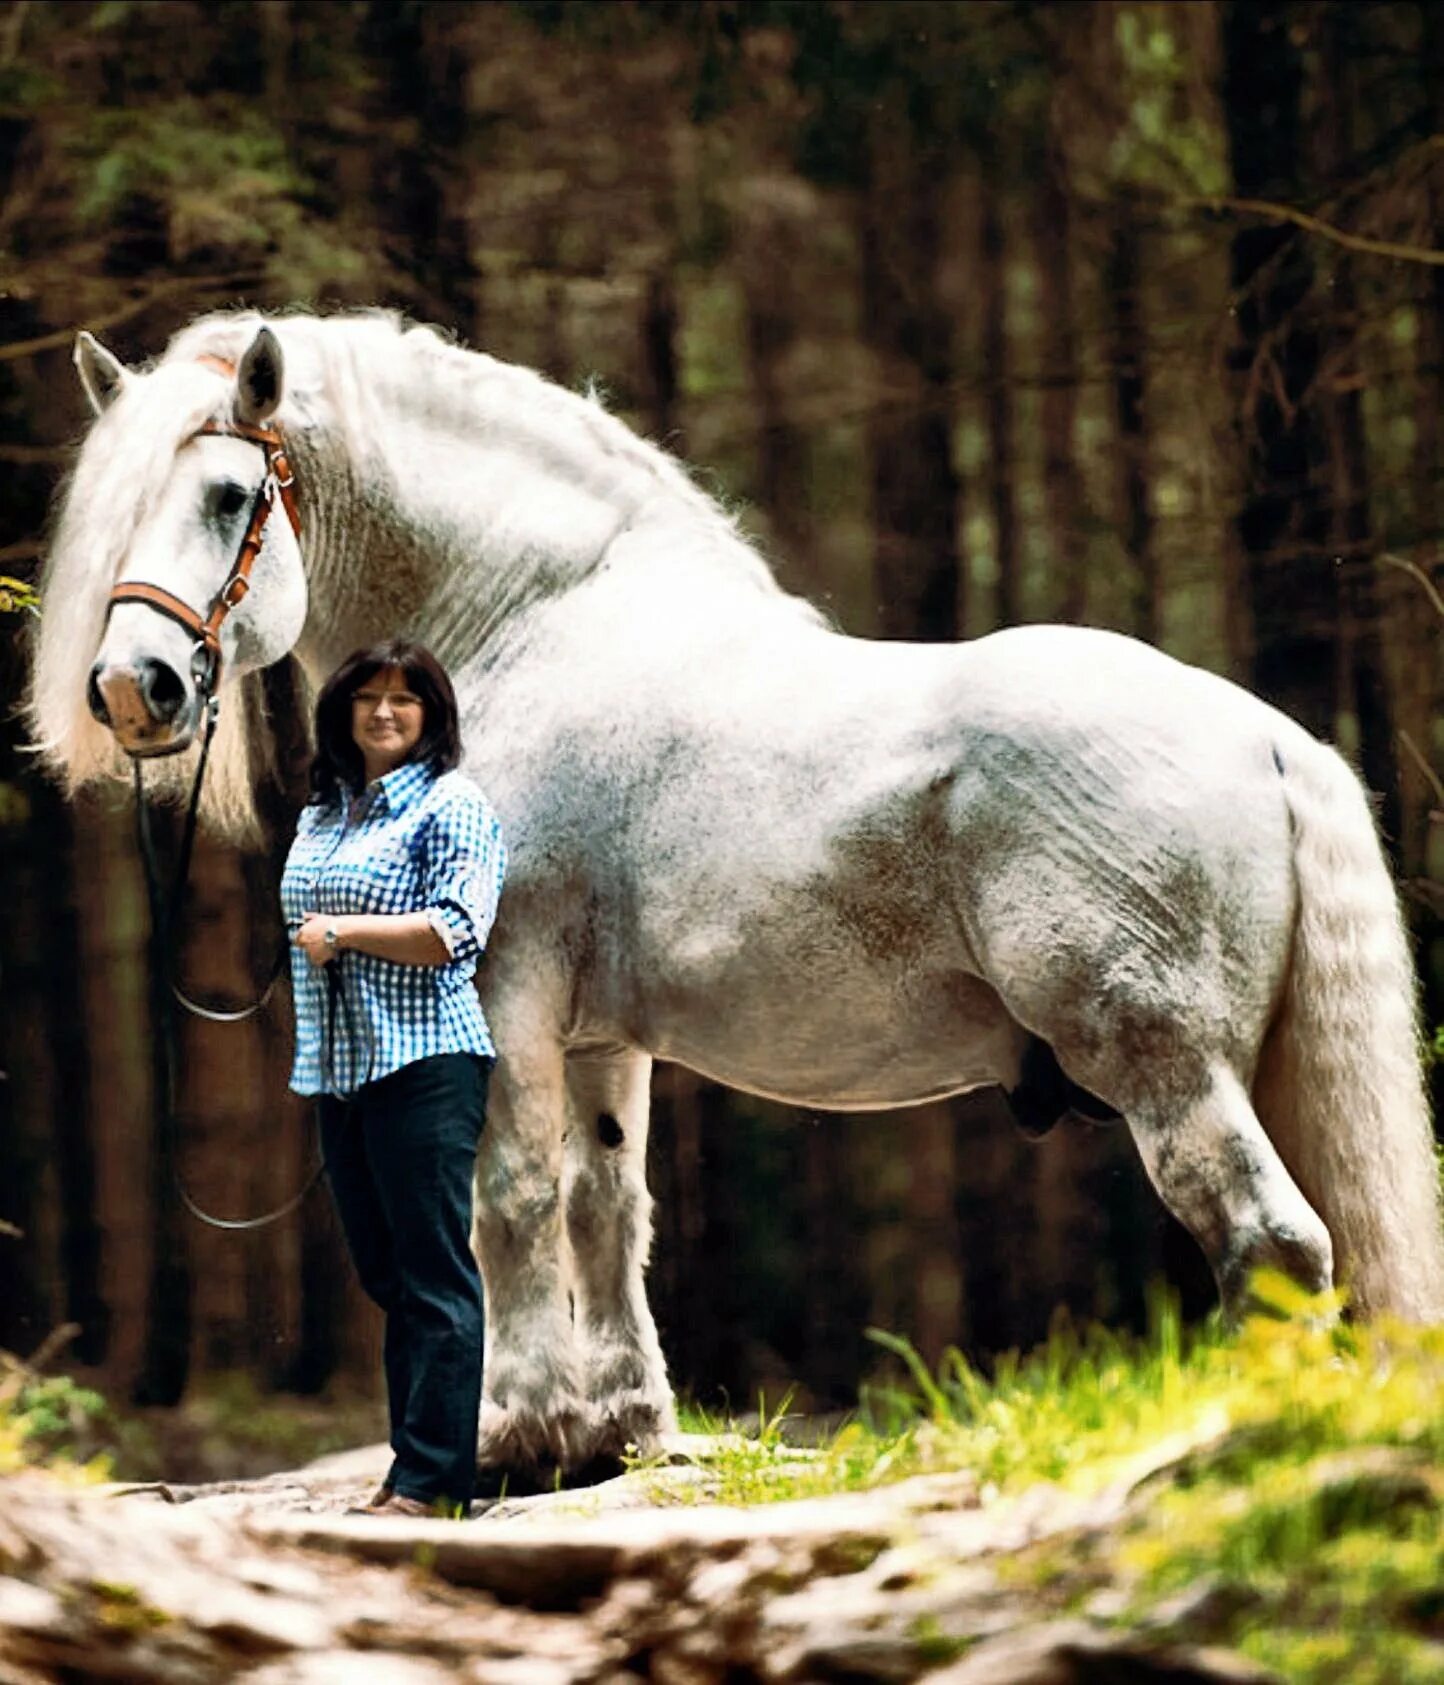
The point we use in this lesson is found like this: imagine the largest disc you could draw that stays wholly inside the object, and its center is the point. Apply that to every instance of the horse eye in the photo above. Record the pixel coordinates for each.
(230, 499)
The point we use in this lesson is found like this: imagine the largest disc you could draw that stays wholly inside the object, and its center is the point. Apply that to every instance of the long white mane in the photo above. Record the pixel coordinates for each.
(356, 387)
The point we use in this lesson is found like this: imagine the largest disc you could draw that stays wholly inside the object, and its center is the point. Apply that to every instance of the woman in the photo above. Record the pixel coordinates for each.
(390, 889)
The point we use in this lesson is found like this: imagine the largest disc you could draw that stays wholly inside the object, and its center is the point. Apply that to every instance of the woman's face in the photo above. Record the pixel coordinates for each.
(387, 719)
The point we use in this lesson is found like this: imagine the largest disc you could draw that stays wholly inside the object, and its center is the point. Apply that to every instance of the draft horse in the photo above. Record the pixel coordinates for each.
(846, 873)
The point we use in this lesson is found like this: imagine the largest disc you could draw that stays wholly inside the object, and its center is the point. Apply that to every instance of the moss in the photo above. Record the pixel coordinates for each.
(123, 1609)
(933, 1646)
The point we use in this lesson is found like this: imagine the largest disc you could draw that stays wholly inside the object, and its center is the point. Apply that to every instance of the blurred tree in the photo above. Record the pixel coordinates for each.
(1127, 357)
(1064, 500)
(1285, 520)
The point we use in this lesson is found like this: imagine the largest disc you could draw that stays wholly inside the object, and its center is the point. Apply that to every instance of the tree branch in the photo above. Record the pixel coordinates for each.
(34, 456)
(1416, 572)
(1316, 225)
(123, 313)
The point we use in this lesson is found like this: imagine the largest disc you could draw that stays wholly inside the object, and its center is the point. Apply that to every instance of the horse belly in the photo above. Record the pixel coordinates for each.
(835, 1037)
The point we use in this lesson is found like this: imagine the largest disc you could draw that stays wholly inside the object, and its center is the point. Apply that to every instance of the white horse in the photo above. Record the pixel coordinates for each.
(849, 874)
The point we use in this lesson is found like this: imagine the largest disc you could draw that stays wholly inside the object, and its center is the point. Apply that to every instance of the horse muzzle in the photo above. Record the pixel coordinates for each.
(148, 707)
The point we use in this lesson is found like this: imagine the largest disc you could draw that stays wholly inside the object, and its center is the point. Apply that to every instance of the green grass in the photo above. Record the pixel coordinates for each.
(51, 1422)
(1298, 1514)
(226, 1428)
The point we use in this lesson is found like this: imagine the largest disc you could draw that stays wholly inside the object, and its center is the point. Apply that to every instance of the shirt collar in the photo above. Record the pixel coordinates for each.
(403, 785)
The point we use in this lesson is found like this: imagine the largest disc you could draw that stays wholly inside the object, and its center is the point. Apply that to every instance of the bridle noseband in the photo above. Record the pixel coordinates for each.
(279, 483)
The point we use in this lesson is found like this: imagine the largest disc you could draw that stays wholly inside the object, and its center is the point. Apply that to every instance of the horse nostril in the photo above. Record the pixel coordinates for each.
(94, 700)
(163, 689)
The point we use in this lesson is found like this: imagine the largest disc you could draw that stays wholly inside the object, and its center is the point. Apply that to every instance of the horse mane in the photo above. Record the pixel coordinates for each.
(347, 377)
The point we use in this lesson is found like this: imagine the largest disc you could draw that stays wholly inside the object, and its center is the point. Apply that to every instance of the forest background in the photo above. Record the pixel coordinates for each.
(1125, 314)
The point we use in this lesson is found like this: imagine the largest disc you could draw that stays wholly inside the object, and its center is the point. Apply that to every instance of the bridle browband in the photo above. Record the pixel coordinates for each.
(279, 482)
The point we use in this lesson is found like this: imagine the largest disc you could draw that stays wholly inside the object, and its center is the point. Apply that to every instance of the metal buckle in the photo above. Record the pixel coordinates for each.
(205, 658)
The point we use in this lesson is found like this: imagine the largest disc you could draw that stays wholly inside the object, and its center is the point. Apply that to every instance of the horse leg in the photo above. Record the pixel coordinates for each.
(609, 1224)
(533, 1415)
(1157, 1004)
(1218, 1172)
(1174, 1075)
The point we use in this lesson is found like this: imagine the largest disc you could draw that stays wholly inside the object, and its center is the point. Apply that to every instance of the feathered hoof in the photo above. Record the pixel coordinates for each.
(632, 1425)
(516, 1438)
(520, 1453)
(528, 1479)
(523, 1453)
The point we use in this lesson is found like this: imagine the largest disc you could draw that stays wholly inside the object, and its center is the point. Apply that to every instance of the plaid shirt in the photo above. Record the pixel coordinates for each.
(418, 842)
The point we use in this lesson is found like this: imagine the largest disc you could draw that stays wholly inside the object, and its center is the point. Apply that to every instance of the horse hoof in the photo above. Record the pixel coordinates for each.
(532, 1479)
(632, 1427)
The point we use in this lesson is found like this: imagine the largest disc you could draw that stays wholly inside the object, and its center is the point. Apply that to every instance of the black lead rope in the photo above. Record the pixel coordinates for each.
(164, 916)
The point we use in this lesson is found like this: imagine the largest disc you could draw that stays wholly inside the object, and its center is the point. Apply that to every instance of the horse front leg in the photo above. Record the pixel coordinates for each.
(534, 1417)
(609, 1227)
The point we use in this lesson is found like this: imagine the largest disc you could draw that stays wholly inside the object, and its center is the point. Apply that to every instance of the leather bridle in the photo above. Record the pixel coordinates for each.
(279, 484)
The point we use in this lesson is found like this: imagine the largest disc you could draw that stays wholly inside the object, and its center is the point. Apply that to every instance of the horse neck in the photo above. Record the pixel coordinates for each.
(465, 520)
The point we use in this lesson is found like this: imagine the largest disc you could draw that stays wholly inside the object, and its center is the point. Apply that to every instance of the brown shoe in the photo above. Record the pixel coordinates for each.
(397, 1503)
(374, 1502)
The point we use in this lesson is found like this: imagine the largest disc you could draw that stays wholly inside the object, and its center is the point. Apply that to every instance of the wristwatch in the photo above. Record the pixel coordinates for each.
(333, 941)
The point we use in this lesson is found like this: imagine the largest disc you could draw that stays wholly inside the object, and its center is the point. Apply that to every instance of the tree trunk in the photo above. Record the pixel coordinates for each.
(1285, 523)
(998, 385)
(661, 378)
(772, 242)
(424, 184)
(1364, 677)
(1128, 355)
(166, 1352)
(915, 490)
(117, 1027)
(1421, 631)
(1065, 508)
(682, 1182)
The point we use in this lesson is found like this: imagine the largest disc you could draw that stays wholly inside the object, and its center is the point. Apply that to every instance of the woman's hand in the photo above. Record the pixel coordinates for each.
(311, 938)
(404, 938)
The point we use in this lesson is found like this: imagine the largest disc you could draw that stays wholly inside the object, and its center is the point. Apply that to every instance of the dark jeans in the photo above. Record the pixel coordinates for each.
(399, 1155)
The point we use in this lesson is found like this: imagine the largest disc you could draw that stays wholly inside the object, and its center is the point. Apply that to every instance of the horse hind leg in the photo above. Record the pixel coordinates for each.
(1170, 1045)
(1218, 1173)
(608, 1218)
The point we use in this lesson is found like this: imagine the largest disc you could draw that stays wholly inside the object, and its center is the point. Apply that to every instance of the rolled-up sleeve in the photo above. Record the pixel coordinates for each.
(465, 866)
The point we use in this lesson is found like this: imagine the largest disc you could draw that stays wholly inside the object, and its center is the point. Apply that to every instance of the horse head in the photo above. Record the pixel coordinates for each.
(207, 587)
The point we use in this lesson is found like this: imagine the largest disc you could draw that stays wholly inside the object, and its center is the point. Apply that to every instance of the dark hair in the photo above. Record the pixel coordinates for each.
(338, 764)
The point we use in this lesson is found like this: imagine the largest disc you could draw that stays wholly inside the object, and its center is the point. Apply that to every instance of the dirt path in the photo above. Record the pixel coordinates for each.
(272, 1583)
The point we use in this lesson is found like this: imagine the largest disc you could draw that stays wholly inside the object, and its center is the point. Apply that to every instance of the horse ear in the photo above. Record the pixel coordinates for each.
(260, 379)
(102, 374)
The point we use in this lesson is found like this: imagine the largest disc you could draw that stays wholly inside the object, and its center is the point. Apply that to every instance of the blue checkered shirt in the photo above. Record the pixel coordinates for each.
(419, 842)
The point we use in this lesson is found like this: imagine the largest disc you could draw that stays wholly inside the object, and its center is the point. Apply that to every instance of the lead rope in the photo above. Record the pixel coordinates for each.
(162, 922)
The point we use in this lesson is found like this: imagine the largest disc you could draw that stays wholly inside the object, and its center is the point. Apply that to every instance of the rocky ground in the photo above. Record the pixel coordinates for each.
(271, 1582)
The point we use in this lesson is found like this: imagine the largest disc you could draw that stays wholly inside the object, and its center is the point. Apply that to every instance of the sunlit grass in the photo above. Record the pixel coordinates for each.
(1298, 1509)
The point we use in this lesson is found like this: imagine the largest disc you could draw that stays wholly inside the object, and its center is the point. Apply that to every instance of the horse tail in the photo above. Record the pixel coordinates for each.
(1340, 1087)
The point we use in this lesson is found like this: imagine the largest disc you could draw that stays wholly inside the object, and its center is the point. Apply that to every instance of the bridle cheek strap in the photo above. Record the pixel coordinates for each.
(279, 483)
